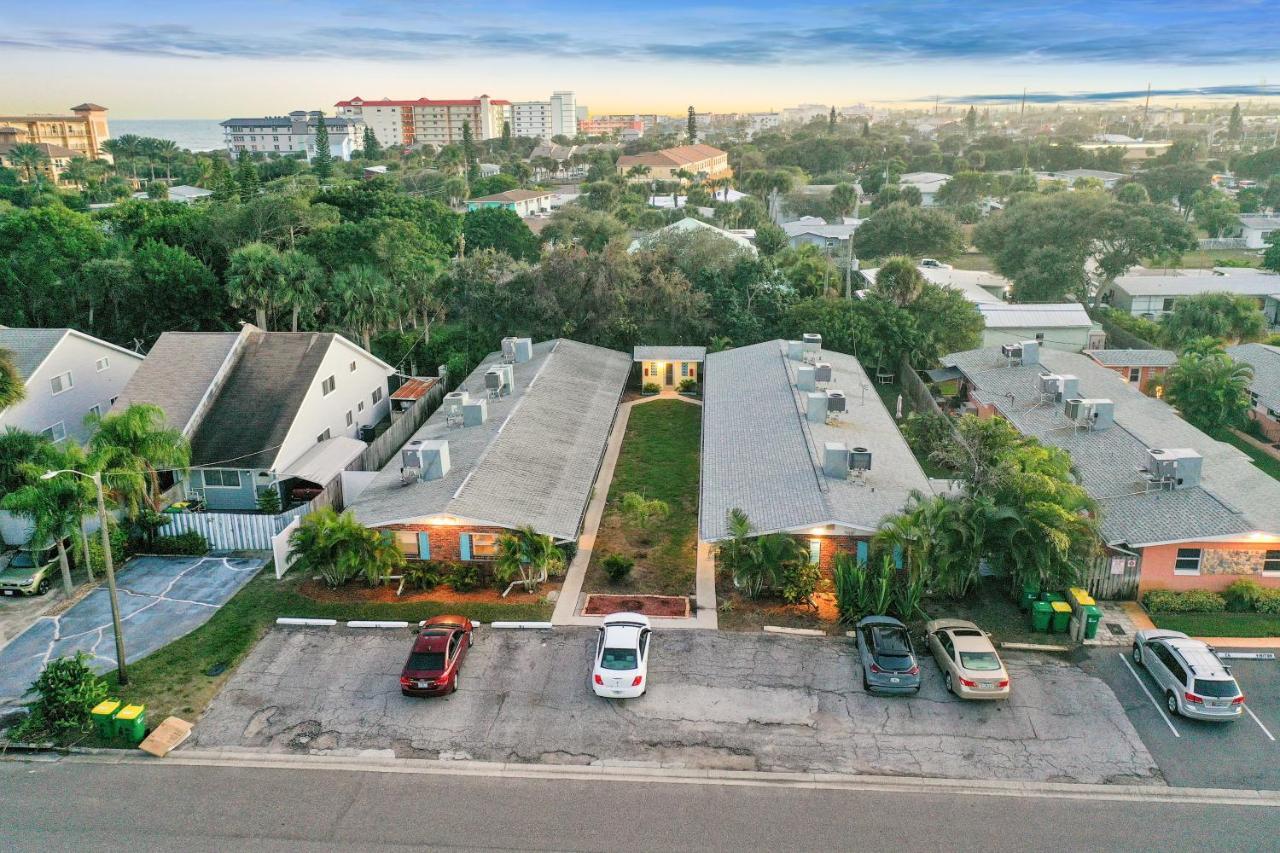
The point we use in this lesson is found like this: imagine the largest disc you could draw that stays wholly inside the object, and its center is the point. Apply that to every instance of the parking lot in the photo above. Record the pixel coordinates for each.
(739, 701)
(1238, 754)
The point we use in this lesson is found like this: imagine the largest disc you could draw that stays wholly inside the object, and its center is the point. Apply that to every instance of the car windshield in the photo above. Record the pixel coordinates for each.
(427, 661)
(618, 659)
(980, 661)
(1216, 689)
(23, 560)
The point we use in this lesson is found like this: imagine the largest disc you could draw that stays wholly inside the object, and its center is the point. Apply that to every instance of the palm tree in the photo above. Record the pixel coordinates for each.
(526, 557)
(456, 189)
(132, 447)
(255, 276)
(54, 505)
(31, 159)
(150, 148)
(338, 548)
(899, 281)
(301, 279)
(18, 449)
(167, 150)
(365, 301)
(12, 387)
(77, 172)
(1209, 389)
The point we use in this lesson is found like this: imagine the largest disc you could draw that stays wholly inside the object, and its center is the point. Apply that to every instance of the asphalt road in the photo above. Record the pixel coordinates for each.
(1238, 754)
(139, 807)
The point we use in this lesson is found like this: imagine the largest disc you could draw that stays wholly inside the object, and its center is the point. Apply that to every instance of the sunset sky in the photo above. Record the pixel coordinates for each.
(150, 59)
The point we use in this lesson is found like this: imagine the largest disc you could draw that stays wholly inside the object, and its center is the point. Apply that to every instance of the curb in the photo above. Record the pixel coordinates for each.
(290, 620)
(793, 632)
(1035, 647)
(376, 623)
(530, 626)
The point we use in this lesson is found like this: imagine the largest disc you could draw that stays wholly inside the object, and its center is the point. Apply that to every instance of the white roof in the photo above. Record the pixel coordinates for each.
(976, 285)
(665, 201)
(686, 225)
(325, 460)
(820, 228)
(1003, 315)
(924, 181)
(1260, 221)
(1246, 282)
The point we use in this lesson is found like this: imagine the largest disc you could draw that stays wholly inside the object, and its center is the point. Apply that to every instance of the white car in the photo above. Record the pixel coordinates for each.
(621, 668)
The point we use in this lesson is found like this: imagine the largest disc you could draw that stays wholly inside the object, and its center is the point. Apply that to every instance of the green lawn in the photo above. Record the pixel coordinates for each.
(1262, 459)
(972, 261)
(1207, 258)
(1221, 624)
(658, 459)
(176, 679)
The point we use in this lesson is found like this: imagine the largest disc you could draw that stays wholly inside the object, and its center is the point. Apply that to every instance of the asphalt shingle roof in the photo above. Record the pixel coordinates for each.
(177, 373)
(1133, 357)
(1265, 361)
(1233, 497)
(676, 353)
(760, 453)
(533, 462)
(30, 347)
(1058, 315)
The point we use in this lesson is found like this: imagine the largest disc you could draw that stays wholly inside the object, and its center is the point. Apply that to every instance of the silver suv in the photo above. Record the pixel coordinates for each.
(1196, 683)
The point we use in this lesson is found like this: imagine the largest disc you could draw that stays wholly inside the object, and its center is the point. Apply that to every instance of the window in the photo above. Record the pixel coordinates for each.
(102, 364)
(96, 411)
(61, 382)
(350, 418)
(484, 546)
(377, 396)
(815, 551)
(1040, 336)
(1253, 398)
(1188, 561)
(57, 432)
(324, 436)
(327, 386)
(221, 478)
(360, 405)
(407, 542)
(1168, 305)
(1271, 563)
(353, 367)
(684, 368)
(1135, 374)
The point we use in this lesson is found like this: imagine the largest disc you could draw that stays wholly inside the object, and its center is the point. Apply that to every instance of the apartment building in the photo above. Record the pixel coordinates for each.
(428, 122)
(605, 125)
(545, 119)
(82, 132)
(702, 161)
(292, 134)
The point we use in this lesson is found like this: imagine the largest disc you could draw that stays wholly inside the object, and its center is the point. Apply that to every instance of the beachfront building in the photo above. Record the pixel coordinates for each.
(292, 134)
(404, 124)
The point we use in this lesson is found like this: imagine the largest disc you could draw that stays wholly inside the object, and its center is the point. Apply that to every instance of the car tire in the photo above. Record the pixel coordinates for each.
(1171, 702)
(950, 687)
(866, 685)
(471, 640)
(453, 688)
(1137, 654)
(43, 586)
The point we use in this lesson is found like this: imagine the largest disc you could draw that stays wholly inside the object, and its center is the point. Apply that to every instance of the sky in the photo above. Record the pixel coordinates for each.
(151, 59)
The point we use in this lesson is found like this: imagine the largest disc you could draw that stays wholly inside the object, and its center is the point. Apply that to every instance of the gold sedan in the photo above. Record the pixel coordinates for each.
(970, 666)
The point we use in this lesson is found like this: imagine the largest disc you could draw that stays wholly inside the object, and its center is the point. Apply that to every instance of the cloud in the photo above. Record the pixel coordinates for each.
(1244, 90)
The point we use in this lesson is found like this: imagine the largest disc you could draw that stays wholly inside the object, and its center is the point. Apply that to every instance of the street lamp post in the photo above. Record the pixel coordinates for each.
(110, 568)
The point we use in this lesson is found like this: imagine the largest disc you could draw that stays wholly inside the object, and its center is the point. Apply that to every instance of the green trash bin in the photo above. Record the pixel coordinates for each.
(1030, 594)
(103, 715)
(131, 724)
(1061, 616)
(1051, 597)
(1041, 614)
(1092, 617)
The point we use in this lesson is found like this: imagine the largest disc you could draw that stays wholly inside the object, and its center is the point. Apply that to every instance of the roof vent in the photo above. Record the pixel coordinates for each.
(1174, 468)
(805, 378)
(860, 459)
(822, 372)
(835, 459)
(835, 401)
(424, 460)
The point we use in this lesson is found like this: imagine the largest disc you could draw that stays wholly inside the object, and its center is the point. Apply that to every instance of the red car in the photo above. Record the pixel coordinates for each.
(436, 658)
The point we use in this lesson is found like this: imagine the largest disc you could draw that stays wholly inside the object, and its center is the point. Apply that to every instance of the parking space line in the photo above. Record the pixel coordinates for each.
(1259, 722)
(1125, 659)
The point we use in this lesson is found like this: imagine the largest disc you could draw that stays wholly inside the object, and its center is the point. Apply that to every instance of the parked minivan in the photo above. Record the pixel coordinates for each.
(1195, 681)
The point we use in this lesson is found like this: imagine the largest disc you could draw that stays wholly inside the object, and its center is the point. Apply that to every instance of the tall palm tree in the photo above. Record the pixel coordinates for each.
(12, 388)
(899, 281)
(132, 447)
(149, 148)
(167, 150)
(255, 276)
(55, 505)
(301, 279)
(31, 159)
(365, 301)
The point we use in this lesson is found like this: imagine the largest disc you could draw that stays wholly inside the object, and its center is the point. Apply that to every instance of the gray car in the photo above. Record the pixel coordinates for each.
(1195, 682)
(889, 662)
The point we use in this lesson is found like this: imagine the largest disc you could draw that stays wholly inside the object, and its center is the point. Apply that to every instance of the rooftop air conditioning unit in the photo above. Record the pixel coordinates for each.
(509, 349)
(1011, 351)
(859, 459)
(822, 372)
(493, 381)
(475, 412)
(795, 350)
(812, 341)
(835, 459)
(1176, 467)
(835, 401)
(524, 350)
(424, 459)
(805, 377)
(1050, 383)
(1072, 408)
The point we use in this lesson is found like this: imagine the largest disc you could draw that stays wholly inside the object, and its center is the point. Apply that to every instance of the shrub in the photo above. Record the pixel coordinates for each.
(190, 543)
(927, 432)
(420, 575)
(269, 501)
(641, 512)
(119, 548)
(1242, 595)
(1191, 601)
(650, 388)
(617, 566)
(568, 550)
(65, 693)
(687, 385)
(463, 577)
(798, 582)
(1268, 601)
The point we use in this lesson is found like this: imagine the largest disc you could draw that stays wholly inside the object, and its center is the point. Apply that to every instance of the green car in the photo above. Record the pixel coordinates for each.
(29, 572)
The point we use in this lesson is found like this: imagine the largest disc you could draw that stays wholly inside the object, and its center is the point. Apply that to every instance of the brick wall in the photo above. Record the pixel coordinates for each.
(1270, 427)
(1221, 564)
(444, 538)
(830, 547)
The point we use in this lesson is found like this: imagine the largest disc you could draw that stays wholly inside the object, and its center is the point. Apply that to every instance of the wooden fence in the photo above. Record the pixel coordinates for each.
(1114, 576)
(380, 451)
(916, 391)
(1212, 243)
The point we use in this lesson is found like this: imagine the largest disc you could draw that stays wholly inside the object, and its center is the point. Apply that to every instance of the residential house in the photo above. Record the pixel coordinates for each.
(67, 376)
(262, 410)
(690, 225)
(518, 444)
(523, 202)
(665, 201)
(82, 132)
(1142, 368)
(834, 240)
(1264, 388)
(1177, 509)
(667, 367)
(928, 183)
(1153, 293)
(407, 124)
(182, 193)
(703, 162)
(1058, 325)
(1256, 229)
(1070, 176)
(795, 436)
(292, 134)
(1134, 152)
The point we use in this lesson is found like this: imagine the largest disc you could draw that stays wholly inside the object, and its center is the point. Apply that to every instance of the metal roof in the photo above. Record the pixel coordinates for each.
(323, 461)
(760, 454)
(1234, 496)
(1068, 315)
(534, 460)
(414, 388)
(688, 224)
(1265, 361)
(676, 353)
(1133, 357)
(1245, 282)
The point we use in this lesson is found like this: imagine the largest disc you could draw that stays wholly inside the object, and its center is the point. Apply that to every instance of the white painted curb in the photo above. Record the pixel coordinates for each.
(794, 632)
(357, 623)
(535, 626)
(290, 620)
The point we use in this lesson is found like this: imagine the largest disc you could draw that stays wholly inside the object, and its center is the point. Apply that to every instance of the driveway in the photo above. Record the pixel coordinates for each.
(161, 599)
(738, 701)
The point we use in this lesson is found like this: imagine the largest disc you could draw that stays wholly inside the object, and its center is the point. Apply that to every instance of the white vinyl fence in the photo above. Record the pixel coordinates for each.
(234, 531)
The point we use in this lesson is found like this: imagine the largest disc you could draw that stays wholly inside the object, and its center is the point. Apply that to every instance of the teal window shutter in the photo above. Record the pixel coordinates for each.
(897, 556)
(464, 546)
(862, 552)
(424, 546)
(815, 551)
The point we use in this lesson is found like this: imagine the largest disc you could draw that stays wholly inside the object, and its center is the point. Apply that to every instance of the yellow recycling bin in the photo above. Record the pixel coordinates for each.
(1061, 616)
(131, 723)
(104, 717)
(1079, 598)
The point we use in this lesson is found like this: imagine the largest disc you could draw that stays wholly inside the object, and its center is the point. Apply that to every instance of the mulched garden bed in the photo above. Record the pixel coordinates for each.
(359, 593)
(672, 606)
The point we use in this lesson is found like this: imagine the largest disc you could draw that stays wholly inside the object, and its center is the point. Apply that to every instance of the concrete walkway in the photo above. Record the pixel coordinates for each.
(568, 610)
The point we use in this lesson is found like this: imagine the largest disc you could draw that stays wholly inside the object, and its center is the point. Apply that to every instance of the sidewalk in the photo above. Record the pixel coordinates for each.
(569, 604)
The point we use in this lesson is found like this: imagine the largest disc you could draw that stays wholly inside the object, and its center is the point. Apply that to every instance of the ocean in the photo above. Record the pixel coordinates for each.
(195, 134)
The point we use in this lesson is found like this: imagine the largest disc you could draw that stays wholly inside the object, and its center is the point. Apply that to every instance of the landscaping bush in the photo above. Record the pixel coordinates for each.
(1268, 601)
(799, 580)
(928, 432)
(617, 566)
(687, 385)
(119, 549)
(650, 388)
(463, 577)
(190, 543)
(422, 575)
(1242, 596)
(1191, 601)
(65, 693)
(269, 502)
